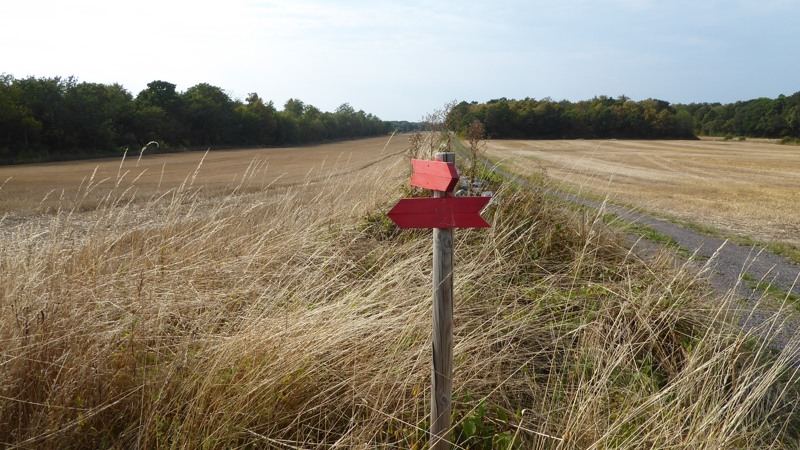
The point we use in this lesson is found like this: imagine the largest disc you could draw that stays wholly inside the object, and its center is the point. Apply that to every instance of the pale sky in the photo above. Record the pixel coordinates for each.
(400, 60)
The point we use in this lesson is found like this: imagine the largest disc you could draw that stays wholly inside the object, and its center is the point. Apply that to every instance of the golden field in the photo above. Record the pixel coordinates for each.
(742, 188)
(34, 188)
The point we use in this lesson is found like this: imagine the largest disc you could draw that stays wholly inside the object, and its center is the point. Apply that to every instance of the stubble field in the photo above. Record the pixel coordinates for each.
(40, 188)
(748, 189)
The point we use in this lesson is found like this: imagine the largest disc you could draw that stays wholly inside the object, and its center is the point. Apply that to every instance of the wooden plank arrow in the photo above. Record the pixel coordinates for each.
(435, 175)
(443, 212)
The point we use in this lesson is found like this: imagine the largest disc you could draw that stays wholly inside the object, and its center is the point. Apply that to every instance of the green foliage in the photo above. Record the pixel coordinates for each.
(378, 225)
(774, 292)
(761, 117)
(601, 117)
(404, 126)
(606, 117)
(478, 429)
(55, 118)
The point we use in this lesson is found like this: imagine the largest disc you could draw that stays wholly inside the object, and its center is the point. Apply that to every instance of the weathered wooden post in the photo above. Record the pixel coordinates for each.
(442, 369)
(443, 213)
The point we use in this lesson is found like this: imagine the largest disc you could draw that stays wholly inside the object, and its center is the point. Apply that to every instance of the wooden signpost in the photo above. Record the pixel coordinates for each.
(443, 213)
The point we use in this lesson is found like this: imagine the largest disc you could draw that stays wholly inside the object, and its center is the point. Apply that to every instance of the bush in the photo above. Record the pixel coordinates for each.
(788, 140)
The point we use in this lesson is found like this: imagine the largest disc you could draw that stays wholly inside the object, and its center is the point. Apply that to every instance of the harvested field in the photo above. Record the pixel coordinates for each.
(745, 188)
(34, 188)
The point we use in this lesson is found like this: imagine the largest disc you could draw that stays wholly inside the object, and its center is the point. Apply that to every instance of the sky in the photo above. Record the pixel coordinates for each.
(401, 60)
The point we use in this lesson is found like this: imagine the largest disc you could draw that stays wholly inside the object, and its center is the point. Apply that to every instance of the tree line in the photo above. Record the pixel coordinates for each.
(600, 117)
(404, 126)
(61, 118)
(762, 117)
(621, 117)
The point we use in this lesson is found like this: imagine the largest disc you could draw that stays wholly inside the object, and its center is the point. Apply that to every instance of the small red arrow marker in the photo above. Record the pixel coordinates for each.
(443, 212)
(435, 175)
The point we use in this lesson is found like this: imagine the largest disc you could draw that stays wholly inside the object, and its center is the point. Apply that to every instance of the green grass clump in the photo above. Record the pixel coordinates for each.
(770, 290)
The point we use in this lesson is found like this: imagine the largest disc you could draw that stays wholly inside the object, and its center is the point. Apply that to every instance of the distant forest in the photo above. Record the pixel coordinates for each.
(404, 126)
(621, 117)
(761, 117)
(60, 118)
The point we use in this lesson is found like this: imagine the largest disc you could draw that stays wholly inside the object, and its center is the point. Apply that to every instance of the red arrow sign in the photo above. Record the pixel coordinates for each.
(436, 175)
(443, 212)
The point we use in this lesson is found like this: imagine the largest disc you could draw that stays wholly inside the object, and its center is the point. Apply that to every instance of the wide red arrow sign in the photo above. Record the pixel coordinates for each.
(443, 212)
(435, 175)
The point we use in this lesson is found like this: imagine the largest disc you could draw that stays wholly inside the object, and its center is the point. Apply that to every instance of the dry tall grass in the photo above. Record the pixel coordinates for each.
(301, 319)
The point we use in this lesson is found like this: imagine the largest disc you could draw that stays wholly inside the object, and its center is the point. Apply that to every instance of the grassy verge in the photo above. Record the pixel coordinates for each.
(788, 251)
(648, 233)
(301, 319)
